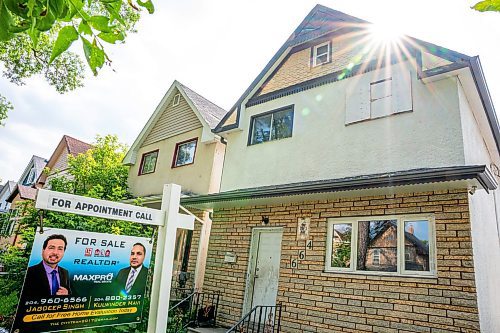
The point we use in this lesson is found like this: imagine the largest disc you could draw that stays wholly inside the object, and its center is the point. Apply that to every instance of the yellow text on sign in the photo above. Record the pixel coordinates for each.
(77, 314)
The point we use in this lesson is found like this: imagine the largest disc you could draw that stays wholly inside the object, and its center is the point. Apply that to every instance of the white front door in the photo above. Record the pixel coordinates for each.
(263, 270)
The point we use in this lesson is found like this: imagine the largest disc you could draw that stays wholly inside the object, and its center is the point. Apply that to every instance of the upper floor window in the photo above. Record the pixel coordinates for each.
(382, 245)
(30, 178)
(177, 99)
(148, 162)
(378, 94)
(273, 125)
(184, 153)
(321, 54)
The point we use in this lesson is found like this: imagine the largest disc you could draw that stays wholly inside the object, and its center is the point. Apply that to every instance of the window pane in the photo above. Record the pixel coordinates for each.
(378, 246)
(321, 59)
(185, 153)
(417, 246)
(149, 162)
(261, 129)
(341, 245)
(282, 124)
(322, 50)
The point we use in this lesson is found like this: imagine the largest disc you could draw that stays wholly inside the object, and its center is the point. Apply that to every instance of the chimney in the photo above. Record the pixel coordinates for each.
(411, 229)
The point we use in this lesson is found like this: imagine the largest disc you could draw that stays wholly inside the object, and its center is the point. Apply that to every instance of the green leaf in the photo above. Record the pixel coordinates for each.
(487, 6)
(33, 32)
(114, 12)
(15, 8)
(84, 28)
(46, 22)
(74, 8)
(22, 26)
(111, 37)
(5, 23)
(59, 8)
(65, 38)
(95, 56)
(100, 23)
(31, 6)
(148, 5)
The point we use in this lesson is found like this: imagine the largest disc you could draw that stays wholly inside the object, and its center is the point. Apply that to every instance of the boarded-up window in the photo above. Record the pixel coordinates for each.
(378, 94)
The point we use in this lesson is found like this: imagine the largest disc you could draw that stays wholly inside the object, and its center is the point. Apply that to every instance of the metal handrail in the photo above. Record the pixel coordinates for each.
(198, 308)
(261, 319)
(182, 301)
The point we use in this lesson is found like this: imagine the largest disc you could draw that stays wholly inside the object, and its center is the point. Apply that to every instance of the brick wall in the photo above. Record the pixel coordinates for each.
(297, 67)
(316, 301)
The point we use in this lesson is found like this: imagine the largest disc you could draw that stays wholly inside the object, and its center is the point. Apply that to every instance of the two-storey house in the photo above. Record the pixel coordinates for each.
(360, 187)
(177, 145)
(24, 189)
(5, 192)
(57, 164)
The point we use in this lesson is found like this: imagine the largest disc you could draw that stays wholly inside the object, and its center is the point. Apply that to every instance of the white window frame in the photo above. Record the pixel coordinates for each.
(177, 99)
(401, 219)
(316, 55)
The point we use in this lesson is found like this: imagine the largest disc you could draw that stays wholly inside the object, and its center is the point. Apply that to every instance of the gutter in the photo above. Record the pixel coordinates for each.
(409, 177)
(484, 94)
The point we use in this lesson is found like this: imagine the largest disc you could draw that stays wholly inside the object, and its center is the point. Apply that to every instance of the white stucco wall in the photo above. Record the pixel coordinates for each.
(323, 147)
(486, 248)
(475, 148)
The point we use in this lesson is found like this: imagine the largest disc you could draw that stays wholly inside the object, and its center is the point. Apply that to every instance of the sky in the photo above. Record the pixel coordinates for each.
(216, 48)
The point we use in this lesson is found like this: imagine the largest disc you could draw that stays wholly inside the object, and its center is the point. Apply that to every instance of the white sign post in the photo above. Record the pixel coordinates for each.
(168, 220)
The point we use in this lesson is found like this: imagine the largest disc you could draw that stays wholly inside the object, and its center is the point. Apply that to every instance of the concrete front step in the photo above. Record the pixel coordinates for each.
(207, 330)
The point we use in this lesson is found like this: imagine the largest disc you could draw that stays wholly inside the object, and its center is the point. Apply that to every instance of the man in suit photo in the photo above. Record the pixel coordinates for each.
(132, 280)
(47, 278)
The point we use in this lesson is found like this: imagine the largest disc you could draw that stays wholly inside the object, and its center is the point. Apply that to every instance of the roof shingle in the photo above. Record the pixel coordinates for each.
(208, 110)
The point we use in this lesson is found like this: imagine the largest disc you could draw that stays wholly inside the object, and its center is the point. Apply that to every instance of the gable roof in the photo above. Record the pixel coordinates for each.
(8, 187)
(322, 21)
(25, 193)
(73, 146)
(207, 112)
(38, 163)
(210, 112)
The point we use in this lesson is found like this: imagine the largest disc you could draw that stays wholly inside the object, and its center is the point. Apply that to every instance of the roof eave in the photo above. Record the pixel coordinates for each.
(408, 177)
(484, 94)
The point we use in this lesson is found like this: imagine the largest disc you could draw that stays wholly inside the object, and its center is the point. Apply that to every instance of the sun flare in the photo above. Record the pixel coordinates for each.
(385, 33)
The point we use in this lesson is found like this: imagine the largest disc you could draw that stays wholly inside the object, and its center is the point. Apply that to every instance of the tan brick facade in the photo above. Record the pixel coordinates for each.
(297, 67)
(316, 301)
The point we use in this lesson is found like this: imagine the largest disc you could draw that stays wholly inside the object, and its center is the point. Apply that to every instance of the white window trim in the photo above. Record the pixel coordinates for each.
(315, 54)
(401, 219)
(177, 99)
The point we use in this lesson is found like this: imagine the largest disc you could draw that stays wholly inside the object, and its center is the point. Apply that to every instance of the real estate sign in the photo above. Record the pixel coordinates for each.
(69, 203)
(79, 279)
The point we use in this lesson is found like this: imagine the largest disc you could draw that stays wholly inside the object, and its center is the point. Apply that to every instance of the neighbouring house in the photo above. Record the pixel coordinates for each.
(24, 189)
(177, 145)
(391, 152)
(5, 192)
(58, 161)
(38, 174)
